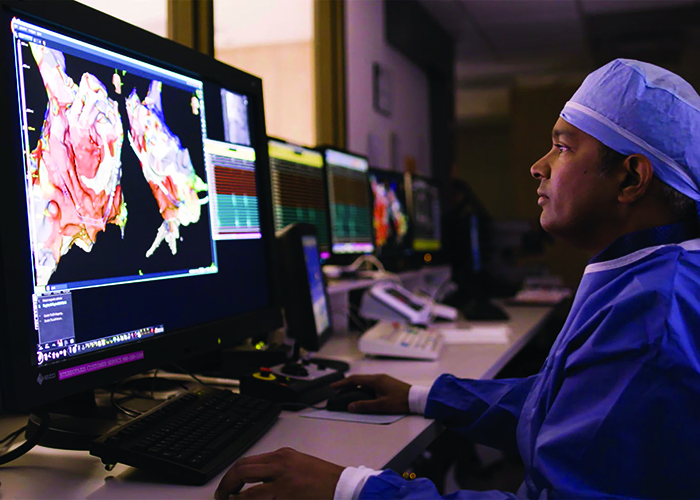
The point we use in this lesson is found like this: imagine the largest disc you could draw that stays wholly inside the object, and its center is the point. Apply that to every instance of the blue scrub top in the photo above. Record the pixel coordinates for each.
(615, 410)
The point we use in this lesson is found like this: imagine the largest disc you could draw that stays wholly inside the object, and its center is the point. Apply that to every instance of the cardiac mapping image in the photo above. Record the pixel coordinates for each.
(75, 169)
(80, 174)
(389, 216)
(166, 166)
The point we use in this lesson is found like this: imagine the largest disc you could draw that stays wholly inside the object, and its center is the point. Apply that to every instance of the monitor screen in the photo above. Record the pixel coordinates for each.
(306, 304)
(298, 189)
(349, 202)
(425, 201)
(389, 216)
(316, 285)
(134, 231)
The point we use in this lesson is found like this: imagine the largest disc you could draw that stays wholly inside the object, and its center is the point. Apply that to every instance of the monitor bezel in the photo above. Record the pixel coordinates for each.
(24, 385)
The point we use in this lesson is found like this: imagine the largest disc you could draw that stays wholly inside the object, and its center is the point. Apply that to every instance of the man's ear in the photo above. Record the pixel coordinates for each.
(638, 173)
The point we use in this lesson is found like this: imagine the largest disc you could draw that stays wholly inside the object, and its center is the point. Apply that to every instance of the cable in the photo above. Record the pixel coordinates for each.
(7, 441)
(126, 411)
(215, 381)
(355, 321)
(376, 262)
(31, 442)
(196, 379)
(285, 406)
(130, 394)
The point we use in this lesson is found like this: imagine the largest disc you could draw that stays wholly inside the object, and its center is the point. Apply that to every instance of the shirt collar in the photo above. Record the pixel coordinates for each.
(655, 236)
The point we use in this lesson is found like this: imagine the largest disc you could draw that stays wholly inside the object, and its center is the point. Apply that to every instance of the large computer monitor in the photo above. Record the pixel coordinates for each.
(425, 213)
(349, 203)
(136, 224)
(299, 189)
(390, 219)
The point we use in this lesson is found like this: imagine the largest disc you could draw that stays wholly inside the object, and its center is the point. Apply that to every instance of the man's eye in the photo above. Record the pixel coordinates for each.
(562, 147)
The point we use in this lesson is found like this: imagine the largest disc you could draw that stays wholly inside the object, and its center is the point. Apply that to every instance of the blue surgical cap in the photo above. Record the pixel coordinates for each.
(638, 108)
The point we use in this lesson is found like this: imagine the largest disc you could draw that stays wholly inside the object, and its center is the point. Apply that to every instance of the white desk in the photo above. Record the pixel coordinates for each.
(46, 473)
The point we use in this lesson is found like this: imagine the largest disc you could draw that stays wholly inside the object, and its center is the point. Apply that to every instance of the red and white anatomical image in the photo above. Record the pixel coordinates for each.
(387, 210)
(166, 166)
(75, 170)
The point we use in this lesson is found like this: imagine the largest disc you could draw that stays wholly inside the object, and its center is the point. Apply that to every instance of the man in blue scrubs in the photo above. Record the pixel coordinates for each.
(615, 410)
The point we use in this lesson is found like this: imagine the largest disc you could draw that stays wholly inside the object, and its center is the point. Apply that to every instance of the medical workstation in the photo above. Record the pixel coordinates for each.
(183, 280)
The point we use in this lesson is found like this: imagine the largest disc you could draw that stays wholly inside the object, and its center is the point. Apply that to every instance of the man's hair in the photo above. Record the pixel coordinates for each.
(681, 206)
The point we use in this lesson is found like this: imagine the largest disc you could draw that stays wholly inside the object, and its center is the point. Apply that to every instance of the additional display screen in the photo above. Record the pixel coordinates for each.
(390, 218)
(298, 190)
(318, 291)
(474, 238)
(403, 299)
(426, 216)
(141, 196)
(350, 203)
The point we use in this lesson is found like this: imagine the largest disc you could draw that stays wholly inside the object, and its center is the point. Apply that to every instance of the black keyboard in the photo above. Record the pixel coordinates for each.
(191, 437)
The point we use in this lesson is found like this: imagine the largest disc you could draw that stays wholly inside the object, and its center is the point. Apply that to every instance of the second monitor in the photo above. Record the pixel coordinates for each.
(424, 203)
(349, 203)
(298, 189)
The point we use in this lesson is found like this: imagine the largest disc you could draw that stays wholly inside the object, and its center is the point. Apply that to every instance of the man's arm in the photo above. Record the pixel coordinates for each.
(282, 471)
(485, 411)
(389, 485)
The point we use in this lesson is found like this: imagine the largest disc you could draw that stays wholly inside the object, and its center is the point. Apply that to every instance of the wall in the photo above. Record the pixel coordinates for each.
(410, 118)
(151, 15)
(484, 162)
(288, 86)
(273, 39)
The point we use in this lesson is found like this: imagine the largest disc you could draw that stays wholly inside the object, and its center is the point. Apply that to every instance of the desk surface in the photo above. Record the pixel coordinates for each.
(46, 473)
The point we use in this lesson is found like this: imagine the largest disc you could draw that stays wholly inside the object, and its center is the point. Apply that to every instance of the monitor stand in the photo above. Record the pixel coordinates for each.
(475, 305)
(483, 310)
(78, 420)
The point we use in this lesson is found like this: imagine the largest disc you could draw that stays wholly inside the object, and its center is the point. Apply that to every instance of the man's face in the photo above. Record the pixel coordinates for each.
(577, 203)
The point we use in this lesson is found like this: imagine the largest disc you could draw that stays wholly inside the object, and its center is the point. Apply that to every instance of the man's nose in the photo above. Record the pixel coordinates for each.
(540, 170)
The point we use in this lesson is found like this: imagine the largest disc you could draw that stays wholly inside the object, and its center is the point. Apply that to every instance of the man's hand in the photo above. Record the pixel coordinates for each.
(285, 473)
(392, 394)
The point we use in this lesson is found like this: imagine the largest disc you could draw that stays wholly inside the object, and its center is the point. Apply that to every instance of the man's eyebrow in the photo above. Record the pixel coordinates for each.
(559, 134)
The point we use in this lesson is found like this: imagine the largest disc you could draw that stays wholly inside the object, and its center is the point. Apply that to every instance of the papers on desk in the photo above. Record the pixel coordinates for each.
(496, 334)
(352, 417)
(540, 296)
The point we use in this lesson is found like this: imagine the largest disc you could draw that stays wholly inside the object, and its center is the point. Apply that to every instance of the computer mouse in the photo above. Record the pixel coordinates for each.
(341, 400)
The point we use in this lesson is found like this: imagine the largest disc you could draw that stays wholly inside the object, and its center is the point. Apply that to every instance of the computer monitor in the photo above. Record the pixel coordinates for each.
(137, 225)
(425, 213)
(392, 226)
(299, 189)
(349, 203)
(306, 303)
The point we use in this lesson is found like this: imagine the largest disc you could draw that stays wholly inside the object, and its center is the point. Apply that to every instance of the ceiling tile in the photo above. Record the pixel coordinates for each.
(497, 12)
(610, 6)
(539, 35)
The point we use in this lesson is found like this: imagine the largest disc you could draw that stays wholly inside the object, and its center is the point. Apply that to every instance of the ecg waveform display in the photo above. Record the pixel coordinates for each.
(351, 210)
(298, 195)
(235, 202)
